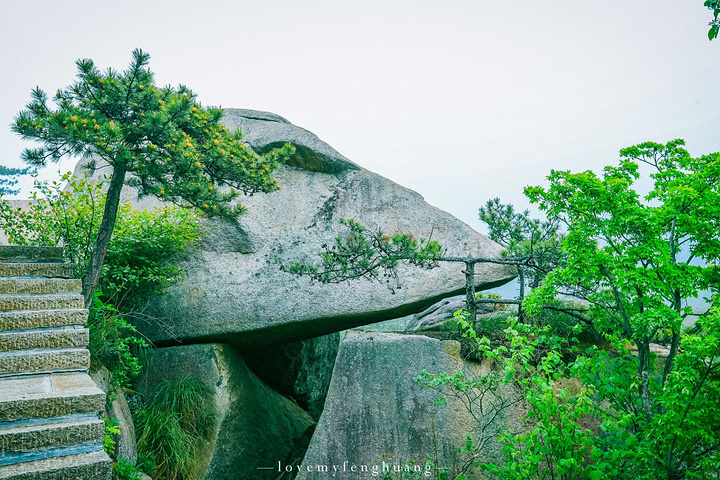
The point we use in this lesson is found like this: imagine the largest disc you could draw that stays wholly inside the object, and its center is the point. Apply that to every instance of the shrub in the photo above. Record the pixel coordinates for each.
(173, 425)
(138, 258)
(124, 470)
(114, 342)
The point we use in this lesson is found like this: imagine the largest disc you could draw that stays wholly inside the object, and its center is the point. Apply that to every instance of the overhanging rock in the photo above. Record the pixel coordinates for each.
(234, 290)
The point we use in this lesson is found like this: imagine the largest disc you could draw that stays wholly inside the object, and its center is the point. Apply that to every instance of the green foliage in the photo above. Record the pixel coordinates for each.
(619, 412)
(8, 179)
(584, 414)
(138, 259)
(173, 426)
(535, 244)
(57, 216)
(713, 6)
(138, 262)
(111, 430)
(114, 342)
(176, 149)
(124, 470)
(365, 253)
(637, 260)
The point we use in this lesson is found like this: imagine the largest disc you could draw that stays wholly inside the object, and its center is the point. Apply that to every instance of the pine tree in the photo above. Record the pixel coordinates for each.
(173, 147)
(8, 180)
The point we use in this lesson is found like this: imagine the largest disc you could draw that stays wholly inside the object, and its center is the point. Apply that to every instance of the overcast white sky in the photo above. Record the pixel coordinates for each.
(459, 100)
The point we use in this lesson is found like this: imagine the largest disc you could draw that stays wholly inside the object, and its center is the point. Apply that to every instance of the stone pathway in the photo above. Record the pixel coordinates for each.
(50, 428)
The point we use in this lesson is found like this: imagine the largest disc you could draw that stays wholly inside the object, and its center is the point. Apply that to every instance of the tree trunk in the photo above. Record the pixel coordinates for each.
(94, 267)
(644, 374)
(470, 292)
(521, 279)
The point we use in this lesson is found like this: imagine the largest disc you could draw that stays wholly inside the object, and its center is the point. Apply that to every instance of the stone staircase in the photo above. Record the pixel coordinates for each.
(50, 428)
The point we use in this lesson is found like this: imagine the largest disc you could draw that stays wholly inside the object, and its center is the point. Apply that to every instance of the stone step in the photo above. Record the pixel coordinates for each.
(19, 440)
(49, 396)
(95, 465)
(40, 286)
(41, 302)
(48, 270)
(29, 254)
(28, 362)
(52, 338)
(30, 319)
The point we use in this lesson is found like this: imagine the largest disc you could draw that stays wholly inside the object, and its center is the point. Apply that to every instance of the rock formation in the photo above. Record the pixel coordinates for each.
(299, 370)
(376, 415)
(234, 291)
(255, 426)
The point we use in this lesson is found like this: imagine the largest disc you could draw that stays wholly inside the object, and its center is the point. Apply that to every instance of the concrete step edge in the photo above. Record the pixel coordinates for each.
(39, 286)
(28, 362)
(30, 254)
(48, 396)
(44, 339)
(89, 463)
(18, 441)
(38, 270)
(57, 301)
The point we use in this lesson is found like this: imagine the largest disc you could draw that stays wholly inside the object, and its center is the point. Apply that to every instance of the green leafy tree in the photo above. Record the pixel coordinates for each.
(638, 261)
(161, 139)
(8, 179)
(138, 263)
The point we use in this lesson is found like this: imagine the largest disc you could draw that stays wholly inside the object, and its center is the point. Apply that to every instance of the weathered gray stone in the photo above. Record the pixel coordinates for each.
(299, 370)
(51, 435)
(27, 319)
(265, 131)
(85, 466)
(435, 317)
(375, 412)
(125, 443)
(19, 286)
(234, 291)
(49, 396)
(44, 339)
(40, 302)
(256, 426)
(44, 361)
(29, 254)
(49, 270)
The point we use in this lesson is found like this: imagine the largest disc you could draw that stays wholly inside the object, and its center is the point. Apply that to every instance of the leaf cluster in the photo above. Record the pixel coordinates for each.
(636, 259)
(713, 6)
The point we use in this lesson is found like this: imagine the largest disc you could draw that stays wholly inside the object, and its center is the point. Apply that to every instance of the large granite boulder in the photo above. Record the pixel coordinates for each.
(256, 427)
(234, 290)
(376, 415)
(299, 370)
